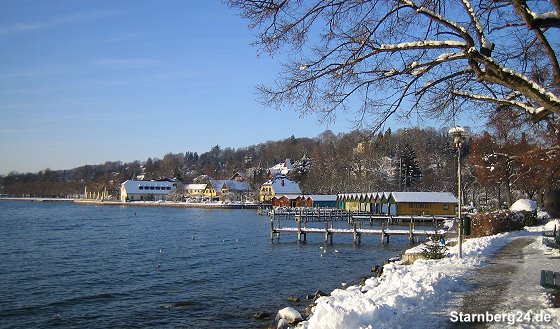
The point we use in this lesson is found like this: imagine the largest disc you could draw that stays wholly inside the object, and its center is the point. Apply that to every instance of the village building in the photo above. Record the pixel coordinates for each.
(227, 190)
(277, 187)
(239, 176)
(195, 190)
(210, 189)
(319, 201)
(400, 203)
(282, 168)
(423, 203)
(141, 190)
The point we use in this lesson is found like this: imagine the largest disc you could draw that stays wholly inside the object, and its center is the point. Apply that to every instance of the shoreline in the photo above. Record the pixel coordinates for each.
(440, 285)
(138, 203)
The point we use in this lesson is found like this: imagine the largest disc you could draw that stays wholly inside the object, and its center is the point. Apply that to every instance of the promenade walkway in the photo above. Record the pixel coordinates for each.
(510, 284)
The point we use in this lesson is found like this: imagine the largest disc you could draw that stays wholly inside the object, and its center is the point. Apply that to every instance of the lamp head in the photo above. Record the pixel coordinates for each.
(459, 134)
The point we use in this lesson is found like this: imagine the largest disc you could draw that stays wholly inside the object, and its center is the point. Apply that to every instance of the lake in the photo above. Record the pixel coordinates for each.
(72, 265)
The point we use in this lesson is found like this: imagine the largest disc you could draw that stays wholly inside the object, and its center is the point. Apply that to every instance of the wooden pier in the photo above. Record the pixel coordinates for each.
(309, 214)
(336, 214)
(357, 231)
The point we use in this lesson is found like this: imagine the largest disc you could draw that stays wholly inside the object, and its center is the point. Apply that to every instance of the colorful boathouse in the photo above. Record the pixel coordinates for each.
(400, 203)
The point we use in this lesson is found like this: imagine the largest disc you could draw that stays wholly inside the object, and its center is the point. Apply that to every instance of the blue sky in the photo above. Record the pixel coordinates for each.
(84, 82)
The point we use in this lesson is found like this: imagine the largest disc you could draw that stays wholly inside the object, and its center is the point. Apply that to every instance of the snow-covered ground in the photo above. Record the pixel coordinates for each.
(420, 295)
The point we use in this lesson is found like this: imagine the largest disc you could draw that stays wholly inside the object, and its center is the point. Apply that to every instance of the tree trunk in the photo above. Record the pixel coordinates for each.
(508, 195)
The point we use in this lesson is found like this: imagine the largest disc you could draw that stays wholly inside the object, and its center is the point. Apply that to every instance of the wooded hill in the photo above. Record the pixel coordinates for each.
(495, 165)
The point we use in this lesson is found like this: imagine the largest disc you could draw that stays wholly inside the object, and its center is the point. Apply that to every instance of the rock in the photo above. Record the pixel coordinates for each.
(309, 297)
(320, 293)
(363, 281)
(378, 270)
(288, 315)
(293, 299)
(262, 315)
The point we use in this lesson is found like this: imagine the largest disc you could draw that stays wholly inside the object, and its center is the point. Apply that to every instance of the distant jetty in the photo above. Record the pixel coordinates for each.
(37, 199)
(140, 203)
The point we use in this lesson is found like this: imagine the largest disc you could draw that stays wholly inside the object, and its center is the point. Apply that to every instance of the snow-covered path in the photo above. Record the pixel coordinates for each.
(510, 284)
(425, 294)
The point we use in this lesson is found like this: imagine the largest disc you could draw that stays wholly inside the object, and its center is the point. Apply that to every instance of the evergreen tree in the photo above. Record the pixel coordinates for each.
(409, 171)
(301, 168)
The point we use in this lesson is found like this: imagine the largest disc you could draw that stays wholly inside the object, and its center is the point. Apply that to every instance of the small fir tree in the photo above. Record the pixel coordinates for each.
(435, 247)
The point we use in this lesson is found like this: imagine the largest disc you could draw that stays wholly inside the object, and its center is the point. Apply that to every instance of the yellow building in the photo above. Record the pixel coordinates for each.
(400, 203)
(423, 203)
(278, 186)
(194, 190)
(225, 190)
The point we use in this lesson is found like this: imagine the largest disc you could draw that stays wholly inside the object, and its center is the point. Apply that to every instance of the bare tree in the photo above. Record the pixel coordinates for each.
(381, 58)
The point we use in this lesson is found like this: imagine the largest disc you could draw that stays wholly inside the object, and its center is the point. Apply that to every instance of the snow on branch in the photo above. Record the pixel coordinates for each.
(424, 44)
(535, 112)
(417, 49)
(544, 20)
(476, 23)
(496, 73)
(439, 18)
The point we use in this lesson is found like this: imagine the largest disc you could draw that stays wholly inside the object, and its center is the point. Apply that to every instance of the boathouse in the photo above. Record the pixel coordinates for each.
(282, 201)
(140, 190)
(423, 203)
(364, 202)
(305, 201)
(400, 203)
(322, 200)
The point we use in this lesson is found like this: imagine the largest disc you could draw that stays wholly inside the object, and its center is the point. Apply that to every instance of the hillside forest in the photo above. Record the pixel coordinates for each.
(507, 160)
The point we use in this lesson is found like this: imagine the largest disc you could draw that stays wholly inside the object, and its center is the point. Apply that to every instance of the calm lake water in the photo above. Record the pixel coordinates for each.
(66, 265)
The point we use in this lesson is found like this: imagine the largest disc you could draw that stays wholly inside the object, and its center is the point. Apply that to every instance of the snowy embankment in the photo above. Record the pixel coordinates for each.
(418, 295)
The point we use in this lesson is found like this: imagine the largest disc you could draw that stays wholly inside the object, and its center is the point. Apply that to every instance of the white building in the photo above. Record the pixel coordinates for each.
(282, 168)
(141, 190)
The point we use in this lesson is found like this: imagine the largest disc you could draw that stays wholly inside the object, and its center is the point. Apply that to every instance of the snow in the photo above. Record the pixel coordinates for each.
(421, 293)
(289, 314)
(282, 168)
(321, 197)
(524, 205)
(449, 56)
(551, 224)
(232, 185)
(456, 130)
(424, 44)
(431, 197)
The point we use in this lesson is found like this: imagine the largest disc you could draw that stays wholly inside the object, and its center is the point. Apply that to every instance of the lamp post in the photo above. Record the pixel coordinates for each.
(459, 135)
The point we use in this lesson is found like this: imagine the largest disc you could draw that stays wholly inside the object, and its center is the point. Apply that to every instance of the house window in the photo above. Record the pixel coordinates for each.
(445, 206)
(152, 187)
(158, 188)
(140, 187)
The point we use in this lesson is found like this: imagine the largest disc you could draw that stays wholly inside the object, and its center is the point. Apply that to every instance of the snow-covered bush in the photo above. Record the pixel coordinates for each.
(527, 209)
